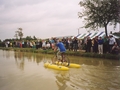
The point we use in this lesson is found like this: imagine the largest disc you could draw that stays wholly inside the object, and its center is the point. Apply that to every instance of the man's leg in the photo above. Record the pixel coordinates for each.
(63, 57)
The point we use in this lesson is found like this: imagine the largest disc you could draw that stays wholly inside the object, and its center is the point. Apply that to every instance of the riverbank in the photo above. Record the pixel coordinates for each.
(78, 53)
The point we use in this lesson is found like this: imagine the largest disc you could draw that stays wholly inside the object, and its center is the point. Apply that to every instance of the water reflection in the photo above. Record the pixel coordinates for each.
(6, 54)
(30, 74)
(62, 78)
(20, 58)
(94, 61)
(38, 58)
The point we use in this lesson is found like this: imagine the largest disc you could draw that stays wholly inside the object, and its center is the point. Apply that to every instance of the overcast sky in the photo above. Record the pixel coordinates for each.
(40, 18)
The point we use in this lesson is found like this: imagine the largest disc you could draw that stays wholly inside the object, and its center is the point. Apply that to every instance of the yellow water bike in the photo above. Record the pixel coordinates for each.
(57, 63)
(60, 64)
(61, 59)
(57, 60)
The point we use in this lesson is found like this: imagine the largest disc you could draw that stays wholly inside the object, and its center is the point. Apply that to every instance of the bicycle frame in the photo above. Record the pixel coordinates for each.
(60, 58)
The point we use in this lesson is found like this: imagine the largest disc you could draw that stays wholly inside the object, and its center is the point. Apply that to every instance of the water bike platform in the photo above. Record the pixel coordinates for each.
(62, 67)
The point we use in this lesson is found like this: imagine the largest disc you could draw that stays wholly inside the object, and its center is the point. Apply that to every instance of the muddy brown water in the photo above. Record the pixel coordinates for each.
(26, 71)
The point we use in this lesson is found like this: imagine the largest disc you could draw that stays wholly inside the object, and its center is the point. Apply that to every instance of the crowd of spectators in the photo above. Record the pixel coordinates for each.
(98, 45)
(102, 45)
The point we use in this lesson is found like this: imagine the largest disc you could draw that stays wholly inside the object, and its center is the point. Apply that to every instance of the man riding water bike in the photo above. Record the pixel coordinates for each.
(60, 46)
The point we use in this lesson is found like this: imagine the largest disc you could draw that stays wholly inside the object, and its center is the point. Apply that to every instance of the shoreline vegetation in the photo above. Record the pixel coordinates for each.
(78, 53)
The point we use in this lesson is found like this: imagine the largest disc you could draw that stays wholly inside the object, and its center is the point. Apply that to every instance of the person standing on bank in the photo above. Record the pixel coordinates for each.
(75, 44)
(111, 42)
(100, 45)
(115, 49)
(89, 44)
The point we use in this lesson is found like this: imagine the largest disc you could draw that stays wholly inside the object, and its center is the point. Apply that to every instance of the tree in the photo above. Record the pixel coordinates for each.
(16, 34)
(28, 38)
(100, 13)
(19, 33)
(34, 38)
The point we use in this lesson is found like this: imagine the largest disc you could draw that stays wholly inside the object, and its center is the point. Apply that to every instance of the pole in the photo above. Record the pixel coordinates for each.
(78, 31)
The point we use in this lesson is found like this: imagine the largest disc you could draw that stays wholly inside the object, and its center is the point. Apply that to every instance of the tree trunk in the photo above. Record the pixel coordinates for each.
(106, 30)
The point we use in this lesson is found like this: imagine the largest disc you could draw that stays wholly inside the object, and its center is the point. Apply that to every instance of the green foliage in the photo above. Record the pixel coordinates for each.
(28, 38)
(100, 13)
(34, 38)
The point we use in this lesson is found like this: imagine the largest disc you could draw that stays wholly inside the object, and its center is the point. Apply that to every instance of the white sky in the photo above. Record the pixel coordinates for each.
(40, 18)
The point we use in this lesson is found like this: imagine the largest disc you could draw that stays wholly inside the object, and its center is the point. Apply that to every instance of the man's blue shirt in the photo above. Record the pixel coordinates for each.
(61, 47)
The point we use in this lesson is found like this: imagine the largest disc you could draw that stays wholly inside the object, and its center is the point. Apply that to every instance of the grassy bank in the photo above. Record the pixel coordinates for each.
(78, 53)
